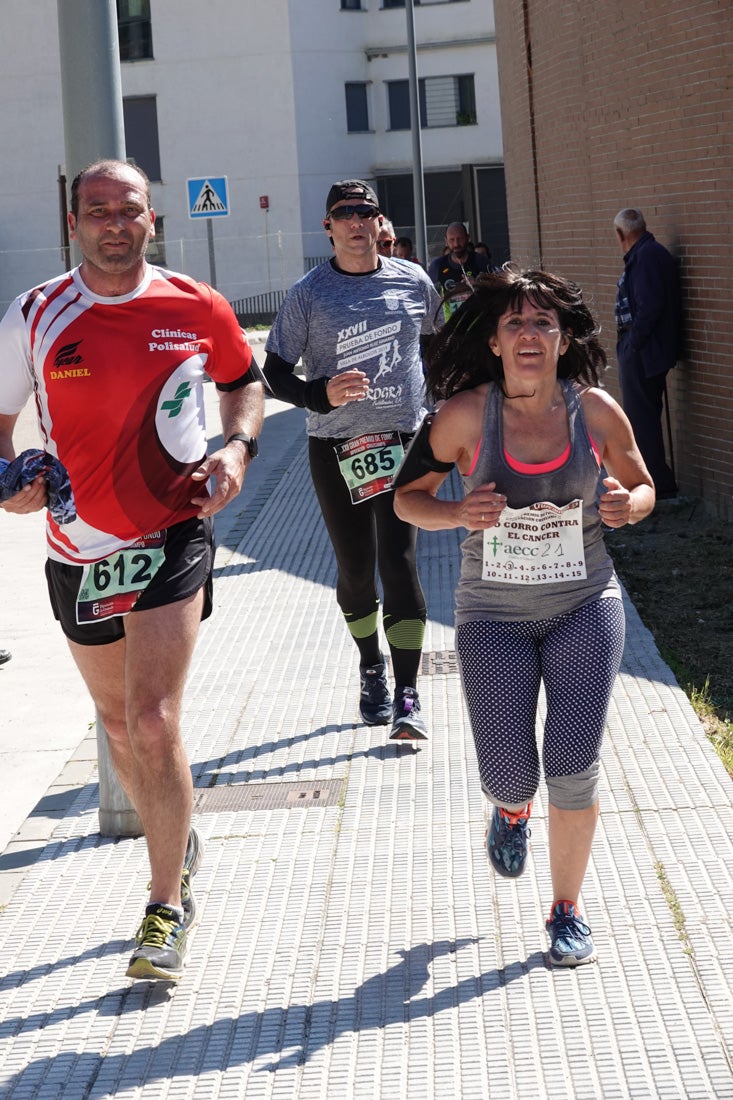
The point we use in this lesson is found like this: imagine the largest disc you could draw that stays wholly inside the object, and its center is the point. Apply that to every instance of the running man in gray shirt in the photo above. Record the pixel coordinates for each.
(356, 322)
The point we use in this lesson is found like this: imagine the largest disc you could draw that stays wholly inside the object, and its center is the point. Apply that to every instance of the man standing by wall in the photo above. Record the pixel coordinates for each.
(648, 319)
(457, 268)
(116, 353)
(356, 321)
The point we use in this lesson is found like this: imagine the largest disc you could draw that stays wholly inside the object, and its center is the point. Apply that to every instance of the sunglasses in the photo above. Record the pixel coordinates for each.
(386, 242)
(344, 213)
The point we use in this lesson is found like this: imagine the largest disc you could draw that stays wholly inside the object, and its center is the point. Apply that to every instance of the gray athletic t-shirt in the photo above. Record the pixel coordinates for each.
(576, 478)
(372, 322)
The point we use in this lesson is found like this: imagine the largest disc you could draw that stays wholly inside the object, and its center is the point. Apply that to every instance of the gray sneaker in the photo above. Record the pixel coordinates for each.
(160, 946)
(191, 864)
(407, 722)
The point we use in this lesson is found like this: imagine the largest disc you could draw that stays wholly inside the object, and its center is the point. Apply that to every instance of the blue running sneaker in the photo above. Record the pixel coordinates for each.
(506, 840)
(375, 702)
(571, 944)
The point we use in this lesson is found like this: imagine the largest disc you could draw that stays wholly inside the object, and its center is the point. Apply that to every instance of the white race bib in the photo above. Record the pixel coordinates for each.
(541, 544)
(368, 463)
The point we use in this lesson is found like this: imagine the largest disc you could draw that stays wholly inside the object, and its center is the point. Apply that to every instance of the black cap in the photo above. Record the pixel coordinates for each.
(351, 189)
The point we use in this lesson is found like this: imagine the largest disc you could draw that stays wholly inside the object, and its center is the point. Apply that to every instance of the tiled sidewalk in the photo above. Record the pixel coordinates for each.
(353, 941)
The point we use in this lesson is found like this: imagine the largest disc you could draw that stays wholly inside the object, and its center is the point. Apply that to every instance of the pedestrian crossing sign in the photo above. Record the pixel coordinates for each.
(208, 197)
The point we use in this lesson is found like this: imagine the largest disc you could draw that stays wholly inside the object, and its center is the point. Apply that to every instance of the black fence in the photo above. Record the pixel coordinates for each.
(260, 309)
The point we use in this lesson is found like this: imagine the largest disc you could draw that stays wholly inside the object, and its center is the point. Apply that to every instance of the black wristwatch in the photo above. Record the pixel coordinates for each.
(249, 441)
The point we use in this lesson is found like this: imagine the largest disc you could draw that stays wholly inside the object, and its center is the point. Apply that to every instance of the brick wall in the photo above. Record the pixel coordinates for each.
(607, 104)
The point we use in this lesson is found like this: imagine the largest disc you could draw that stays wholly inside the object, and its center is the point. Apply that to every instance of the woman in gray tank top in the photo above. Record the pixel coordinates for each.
(547, 458)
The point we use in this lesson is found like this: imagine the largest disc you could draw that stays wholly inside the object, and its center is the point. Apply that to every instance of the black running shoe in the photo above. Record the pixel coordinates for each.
(375, 702)
(407, 724)
(191, 863)
(160, 946)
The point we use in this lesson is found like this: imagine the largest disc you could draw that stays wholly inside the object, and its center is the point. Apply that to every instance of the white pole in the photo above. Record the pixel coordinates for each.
(91, 98)
(418, 186)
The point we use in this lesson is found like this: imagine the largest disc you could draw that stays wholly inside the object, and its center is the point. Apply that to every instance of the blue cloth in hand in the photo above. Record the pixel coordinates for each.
(26, 468)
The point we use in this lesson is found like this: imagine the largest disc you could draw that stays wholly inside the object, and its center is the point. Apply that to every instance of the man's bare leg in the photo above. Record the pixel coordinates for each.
(160, 645)
(137, 686)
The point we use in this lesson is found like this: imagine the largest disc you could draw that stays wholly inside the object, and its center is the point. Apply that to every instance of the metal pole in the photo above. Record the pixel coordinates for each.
(91, 85)
(212, 257)
(669, 432)
(418, 185)
(282, 259)
(267, 253)
(91, 98)
(65, 241)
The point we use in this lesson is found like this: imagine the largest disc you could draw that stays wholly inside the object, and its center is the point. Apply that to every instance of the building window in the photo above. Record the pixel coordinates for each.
(135, 29)
(351, 5)
(398, 95)
(444, 101)
(141, 133)
(417, 3)
(357, 109)
(156, 245)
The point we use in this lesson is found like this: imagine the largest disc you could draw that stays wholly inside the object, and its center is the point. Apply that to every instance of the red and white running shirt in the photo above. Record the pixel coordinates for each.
(118, 387)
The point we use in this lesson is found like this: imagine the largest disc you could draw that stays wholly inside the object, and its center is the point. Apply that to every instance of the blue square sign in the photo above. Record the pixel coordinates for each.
(208, 197)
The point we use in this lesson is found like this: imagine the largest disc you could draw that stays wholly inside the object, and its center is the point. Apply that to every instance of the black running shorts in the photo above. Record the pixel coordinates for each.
(187, 566)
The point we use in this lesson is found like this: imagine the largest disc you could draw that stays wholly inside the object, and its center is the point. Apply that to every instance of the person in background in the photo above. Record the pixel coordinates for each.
(356, 321)
(403, 250)
(484, 250)
(454, 273)
(386, 238)
(531, 431)
(649, 326)
(130, 572)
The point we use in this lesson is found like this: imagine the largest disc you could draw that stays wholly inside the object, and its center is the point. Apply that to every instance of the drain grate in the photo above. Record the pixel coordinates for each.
(439, 662)
(270, 795)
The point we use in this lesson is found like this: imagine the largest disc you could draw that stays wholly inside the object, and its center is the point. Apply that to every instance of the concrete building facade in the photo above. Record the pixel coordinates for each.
(608, 104)
(280, 97)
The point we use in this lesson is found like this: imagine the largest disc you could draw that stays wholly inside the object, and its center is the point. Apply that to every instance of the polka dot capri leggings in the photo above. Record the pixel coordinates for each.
(577, 656)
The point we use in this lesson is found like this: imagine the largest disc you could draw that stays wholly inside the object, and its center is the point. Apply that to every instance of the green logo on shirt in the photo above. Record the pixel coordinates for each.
(174, 406)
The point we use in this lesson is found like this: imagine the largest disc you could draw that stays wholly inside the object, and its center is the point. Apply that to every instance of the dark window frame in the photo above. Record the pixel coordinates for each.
(357, 106)
(398, 102)
(387, 4)
(156, 245)
(142, 140)
(135, 31)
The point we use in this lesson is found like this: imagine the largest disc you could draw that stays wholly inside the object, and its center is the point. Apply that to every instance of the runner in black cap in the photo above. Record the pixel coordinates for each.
(356, 322)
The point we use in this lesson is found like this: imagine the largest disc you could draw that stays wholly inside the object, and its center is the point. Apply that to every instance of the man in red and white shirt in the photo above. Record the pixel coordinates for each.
(115, 354)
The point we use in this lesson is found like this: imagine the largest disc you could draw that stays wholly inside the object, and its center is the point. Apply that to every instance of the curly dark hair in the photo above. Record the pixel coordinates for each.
(458, 357)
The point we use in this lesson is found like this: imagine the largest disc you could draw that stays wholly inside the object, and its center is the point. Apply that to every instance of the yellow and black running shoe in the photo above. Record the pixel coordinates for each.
(160, 946)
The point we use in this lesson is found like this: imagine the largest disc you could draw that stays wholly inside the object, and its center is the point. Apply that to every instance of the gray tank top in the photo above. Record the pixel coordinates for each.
(577, 478)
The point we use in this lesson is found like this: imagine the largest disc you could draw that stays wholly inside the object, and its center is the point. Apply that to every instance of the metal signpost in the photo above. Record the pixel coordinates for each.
(208, 197)
(264, 207)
